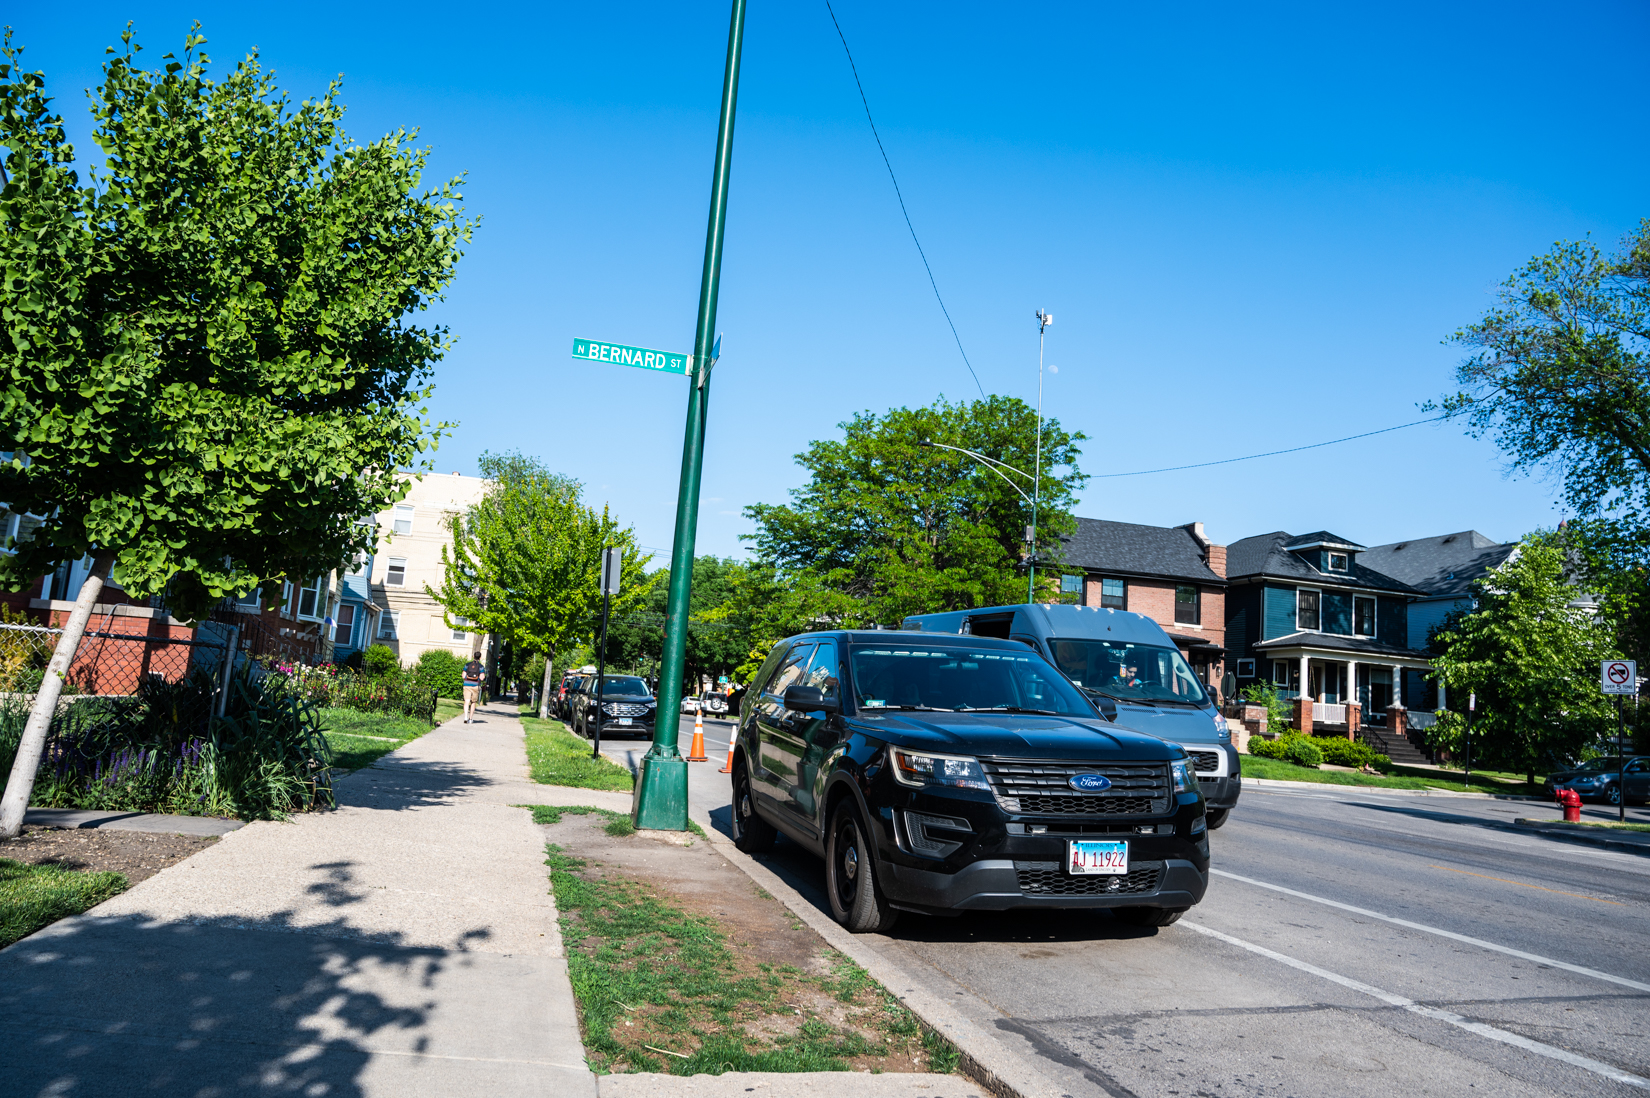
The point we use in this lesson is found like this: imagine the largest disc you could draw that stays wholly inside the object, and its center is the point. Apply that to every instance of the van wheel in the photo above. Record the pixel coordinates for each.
(751, 833)
(1148, 916)
(1215, 817)
(857, 901)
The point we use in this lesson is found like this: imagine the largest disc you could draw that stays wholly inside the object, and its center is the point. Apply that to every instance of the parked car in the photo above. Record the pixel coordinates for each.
(561, 701)
(627, 707)
(941, 773)
(1601, 778)
(1133, 672)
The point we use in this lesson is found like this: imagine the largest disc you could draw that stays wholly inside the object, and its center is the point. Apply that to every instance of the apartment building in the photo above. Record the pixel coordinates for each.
(411, 537)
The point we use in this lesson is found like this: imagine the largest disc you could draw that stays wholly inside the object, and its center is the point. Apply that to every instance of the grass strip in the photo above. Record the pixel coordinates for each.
(447, 708)
(558, 757)
(1606, 825)
(1403, 778)
(659, 990)
(618, 823)
(33, 896)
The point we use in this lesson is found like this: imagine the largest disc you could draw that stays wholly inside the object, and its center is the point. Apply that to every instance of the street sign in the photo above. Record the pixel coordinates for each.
(1619, 676)
(664, 362)
(612, 565)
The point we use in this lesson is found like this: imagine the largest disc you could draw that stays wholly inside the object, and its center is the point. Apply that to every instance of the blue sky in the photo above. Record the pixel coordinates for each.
(1254, 226)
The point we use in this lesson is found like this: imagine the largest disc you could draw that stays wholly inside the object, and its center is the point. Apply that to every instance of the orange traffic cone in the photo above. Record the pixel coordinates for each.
(727, 767)
(696, 753)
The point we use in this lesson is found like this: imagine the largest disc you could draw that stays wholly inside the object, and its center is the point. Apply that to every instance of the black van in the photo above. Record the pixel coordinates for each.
(942, 773)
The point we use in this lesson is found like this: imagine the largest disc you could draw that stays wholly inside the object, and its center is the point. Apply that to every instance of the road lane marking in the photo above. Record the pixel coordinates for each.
(1580, 970)
(1521, 884)
(1479, 1028)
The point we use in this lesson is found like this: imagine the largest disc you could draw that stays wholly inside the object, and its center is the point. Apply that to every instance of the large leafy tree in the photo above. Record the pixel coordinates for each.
(719, 632)
(525, 562)
(1532, 657)
(1559, 376)
(887, 526)
(206, 346)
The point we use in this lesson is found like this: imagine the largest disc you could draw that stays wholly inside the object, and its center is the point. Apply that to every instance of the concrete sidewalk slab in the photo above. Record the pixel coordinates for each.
(799, 1084)
(404, 944)
(153, 822)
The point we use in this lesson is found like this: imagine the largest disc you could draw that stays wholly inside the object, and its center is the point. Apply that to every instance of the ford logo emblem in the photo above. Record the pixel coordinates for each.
(1089, 783)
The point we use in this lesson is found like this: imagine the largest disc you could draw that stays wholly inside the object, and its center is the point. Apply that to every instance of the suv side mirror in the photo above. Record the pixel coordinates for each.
(809, 699)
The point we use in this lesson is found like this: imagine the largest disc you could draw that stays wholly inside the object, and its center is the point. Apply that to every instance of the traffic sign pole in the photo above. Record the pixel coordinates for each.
(1620, 677)
(660, 800)
(1621, 759)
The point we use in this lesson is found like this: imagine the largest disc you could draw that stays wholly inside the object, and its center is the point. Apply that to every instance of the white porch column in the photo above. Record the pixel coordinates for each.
(1442, 703)
(1397, 686)
(1351, 682)
(1306, 678)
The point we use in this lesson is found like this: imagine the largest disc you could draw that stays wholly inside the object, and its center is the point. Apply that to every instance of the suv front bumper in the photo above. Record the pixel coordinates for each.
(998, 884)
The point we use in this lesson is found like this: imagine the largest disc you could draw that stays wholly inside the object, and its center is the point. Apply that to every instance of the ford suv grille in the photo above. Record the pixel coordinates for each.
(1044, 788)
(625, 709)
(1046, 879)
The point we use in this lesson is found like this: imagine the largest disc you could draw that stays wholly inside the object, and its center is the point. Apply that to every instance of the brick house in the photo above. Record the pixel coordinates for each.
(1172, 574)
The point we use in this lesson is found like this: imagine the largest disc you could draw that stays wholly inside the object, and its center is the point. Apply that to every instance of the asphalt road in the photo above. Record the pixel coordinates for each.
(1350, 944)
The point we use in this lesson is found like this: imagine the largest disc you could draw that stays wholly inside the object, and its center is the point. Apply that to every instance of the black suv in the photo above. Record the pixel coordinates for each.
(627, 707)
(942, 773)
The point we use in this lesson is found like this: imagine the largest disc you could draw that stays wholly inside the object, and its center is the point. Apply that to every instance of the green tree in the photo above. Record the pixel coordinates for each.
(207, 370)
(1533, 660)
(887, 527)
(1560, 377)
(525, 563)
(719, 634)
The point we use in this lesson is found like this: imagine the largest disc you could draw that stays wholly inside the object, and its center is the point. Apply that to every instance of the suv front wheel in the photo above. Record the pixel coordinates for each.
(751, 833)
(857, 901)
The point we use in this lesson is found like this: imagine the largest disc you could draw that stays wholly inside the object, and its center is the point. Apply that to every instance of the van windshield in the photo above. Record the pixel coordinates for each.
(900, 676)
(1129, 672)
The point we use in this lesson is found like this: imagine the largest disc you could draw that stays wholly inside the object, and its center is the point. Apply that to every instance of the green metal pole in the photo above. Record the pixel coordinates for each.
(660, 800)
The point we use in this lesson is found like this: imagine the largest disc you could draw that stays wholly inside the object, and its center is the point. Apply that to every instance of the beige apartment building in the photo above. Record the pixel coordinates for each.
(411, 537)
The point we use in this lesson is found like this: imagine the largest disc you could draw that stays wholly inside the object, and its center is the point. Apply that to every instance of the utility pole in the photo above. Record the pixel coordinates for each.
(1472, 704)
(660, 800)
(612, 566)
(1043, 321)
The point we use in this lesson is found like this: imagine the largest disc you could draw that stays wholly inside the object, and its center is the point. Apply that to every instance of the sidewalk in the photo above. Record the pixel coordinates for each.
(403, 945)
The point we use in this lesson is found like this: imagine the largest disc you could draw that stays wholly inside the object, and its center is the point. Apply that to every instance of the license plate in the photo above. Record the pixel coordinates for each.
(624, 720)
(1086, 857)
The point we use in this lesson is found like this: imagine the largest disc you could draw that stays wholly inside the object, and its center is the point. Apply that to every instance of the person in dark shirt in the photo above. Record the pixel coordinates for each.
(474, 672)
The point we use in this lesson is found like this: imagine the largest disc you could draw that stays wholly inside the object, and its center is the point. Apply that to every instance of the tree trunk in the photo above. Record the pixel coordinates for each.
(20, 786)
(544, 694)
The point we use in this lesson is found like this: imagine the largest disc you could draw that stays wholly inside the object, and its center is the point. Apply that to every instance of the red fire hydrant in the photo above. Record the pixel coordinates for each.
(1571, 802)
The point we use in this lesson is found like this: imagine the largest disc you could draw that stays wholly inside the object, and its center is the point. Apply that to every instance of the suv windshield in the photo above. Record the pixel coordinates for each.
(890, 676)
(1129, 672)
(620, 684)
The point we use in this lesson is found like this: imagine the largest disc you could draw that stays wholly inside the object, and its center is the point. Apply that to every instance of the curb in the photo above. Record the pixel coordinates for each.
(980, 1057)
(1586, 836)
(1274, 783)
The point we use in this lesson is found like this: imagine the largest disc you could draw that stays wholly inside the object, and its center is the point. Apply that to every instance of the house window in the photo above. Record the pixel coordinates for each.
(397, 574)
(359, 564)
(1337, 562)
(1114, 594)
(1306, 610)
(403, 518)
(251, 600)
(309, 600)
(1188, 606)
(461, 630)
(1363, 617)
(1071, 585)
(1245, 669)
(344, 631)
(389, 625)
(1280, 673)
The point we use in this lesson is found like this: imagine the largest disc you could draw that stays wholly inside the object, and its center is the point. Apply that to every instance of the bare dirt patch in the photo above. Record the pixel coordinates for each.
(138, 855)
(680, 964)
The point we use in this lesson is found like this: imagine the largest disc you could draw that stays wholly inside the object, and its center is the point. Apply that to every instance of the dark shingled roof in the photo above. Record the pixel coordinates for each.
(1355, 645)
(1320, 537)
(1443, 565)
(1129, 549)
(1265, 555)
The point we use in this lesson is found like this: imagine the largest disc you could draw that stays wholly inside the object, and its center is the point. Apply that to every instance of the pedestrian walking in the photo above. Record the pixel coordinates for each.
(474, 672)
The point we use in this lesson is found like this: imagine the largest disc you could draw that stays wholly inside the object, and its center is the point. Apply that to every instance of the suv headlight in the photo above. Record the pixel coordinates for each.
(1184, 780)
(919, 768)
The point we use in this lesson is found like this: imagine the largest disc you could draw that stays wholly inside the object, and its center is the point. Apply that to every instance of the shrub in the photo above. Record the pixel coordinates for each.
(1278, 712)
(441, 671)
(379, 662)
(1344, 752)
(1290, 747)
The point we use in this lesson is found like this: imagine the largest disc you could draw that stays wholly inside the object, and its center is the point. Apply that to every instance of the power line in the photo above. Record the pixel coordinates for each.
(1274, 453)
(900, 195)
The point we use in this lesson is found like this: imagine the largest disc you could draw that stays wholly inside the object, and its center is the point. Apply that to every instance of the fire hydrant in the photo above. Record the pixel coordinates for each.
(1570, 800)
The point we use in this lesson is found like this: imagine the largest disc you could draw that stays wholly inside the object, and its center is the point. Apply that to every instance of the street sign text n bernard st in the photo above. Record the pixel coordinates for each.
(1618, 676)
(665, 362)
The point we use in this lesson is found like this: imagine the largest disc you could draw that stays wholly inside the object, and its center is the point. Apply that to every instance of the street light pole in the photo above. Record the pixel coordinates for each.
(1043, 321)
(660, 800)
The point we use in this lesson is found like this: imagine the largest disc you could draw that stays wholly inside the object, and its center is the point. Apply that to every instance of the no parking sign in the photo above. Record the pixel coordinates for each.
(1619, 676)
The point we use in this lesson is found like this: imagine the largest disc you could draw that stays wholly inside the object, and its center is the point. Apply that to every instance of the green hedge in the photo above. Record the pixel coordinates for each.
(1314, 751)
(442, 672)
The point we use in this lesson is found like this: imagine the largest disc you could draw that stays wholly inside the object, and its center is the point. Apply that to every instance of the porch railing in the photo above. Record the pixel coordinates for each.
(1328, 713)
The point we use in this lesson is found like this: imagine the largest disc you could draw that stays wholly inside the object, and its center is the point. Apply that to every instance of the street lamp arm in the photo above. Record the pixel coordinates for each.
(990, 464)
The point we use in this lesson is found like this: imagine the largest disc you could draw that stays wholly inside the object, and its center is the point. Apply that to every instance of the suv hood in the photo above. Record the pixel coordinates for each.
(1023, 735)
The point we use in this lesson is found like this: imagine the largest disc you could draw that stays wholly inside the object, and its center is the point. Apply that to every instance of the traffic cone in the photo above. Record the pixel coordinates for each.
(727, 767)
(696, 754)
